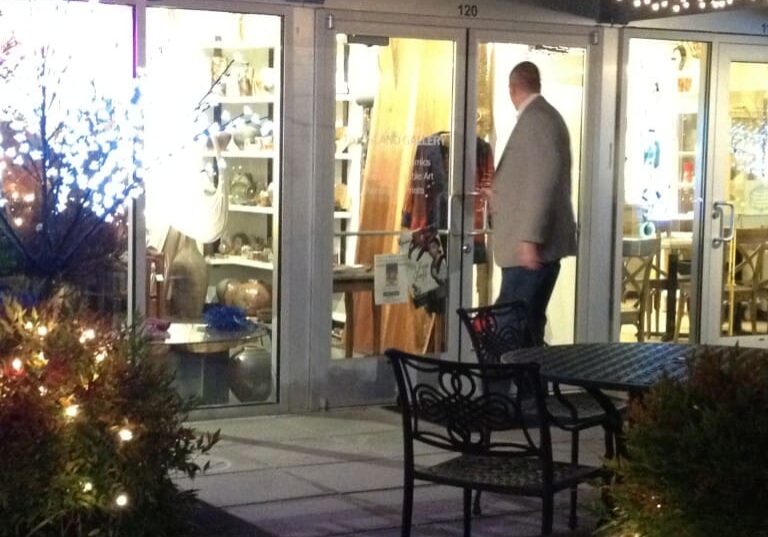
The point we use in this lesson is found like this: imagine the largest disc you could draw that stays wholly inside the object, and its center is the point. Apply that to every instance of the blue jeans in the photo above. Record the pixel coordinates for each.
(534, 287)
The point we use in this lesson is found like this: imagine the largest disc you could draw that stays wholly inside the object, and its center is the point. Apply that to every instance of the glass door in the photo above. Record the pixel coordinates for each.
(662, 147)
(394, 172)
(562, 64)
(737, 283)
(411, 154)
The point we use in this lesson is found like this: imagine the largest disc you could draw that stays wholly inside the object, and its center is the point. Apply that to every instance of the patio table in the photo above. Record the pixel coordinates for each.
(627, 367)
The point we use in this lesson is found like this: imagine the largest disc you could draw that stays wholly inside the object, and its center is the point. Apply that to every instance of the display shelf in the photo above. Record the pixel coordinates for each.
(265, 98)
(237, 261)
(243, 154)
(258, 160)
(239, 45)
(252, 209)
(350, 121)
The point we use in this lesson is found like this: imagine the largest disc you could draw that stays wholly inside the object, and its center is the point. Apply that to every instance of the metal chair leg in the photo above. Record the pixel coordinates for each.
(609, 443)
(574, 489)
(477, 510)
(547, 514)
(407, 508)
(467, 512)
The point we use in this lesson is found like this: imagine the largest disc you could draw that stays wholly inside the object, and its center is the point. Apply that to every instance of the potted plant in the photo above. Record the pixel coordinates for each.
(697, 462)
(91, 430)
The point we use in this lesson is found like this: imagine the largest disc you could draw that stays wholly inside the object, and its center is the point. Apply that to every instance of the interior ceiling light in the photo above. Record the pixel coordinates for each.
(679, 6)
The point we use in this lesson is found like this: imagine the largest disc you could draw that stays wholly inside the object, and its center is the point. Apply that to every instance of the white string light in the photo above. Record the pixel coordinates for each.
(678, 6)
(71, 411)
(87, 335)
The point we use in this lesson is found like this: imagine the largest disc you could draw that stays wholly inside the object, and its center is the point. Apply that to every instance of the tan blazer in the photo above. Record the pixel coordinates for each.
(532, 187)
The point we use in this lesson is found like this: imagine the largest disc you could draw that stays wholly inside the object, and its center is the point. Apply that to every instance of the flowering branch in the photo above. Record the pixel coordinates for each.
(72, 157)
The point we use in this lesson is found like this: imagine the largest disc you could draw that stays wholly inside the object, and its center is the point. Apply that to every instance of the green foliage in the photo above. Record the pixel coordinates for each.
(62, 474)
(9, 257)
(698, 463)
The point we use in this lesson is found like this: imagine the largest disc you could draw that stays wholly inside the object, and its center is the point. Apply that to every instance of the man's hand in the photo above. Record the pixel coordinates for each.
(527, 254)
(486, 194)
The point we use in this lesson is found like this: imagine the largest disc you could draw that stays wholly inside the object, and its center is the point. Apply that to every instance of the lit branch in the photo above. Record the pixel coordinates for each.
(80, 151)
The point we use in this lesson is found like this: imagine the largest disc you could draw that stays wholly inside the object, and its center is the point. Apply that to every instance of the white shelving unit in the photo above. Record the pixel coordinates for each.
(250, 89)
(253, 209)
(242, 154)
(239, 261)
(348, 171)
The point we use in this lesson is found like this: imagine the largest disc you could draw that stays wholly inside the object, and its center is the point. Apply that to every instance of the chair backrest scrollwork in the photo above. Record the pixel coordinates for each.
(497, 329)
(454, 406)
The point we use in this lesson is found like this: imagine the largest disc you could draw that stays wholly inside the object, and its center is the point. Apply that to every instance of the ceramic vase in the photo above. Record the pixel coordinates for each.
(189, 280)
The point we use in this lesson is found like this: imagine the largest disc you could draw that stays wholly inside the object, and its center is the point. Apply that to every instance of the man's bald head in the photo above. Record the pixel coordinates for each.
(524, 79)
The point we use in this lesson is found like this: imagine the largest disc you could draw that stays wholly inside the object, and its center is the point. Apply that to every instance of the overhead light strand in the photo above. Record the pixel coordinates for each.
(683, 6)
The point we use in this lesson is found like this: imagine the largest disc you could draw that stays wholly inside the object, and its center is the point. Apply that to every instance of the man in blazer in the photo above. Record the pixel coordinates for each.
(531, 199)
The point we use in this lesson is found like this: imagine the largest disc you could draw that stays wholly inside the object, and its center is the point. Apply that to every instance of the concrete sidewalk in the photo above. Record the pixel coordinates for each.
(340, 473)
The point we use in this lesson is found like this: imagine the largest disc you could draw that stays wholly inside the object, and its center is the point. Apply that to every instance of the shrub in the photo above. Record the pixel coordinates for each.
(697, 460)
(90, 430)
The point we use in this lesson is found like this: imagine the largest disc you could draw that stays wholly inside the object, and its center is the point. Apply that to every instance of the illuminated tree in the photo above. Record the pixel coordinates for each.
(71, 159)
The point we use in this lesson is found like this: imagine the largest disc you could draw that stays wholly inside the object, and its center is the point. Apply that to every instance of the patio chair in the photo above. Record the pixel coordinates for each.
(500, 328)
(746, 280)
(638, 256)
(453, 407)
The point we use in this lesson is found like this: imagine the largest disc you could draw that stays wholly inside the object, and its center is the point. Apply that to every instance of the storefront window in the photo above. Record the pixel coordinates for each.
(661, 159)
(212, 204)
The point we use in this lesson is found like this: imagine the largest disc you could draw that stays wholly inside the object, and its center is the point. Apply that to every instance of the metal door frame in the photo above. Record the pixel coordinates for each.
(729, 50)
(583, 39)
(701, 226)
(370, 377)
(367, 379)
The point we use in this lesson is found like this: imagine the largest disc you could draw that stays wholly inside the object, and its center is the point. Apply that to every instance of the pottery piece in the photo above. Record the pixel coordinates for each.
(188, 275)
(252, 296)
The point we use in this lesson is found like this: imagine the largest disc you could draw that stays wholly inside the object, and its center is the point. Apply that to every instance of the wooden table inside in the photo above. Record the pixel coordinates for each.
(357, 280)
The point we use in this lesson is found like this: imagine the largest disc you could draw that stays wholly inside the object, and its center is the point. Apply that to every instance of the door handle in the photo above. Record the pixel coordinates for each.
(486, 229)
(719, 212)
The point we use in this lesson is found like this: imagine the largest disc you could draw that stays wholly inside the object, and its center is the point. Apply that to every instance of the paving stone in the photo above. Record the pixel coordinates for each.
(339, 473)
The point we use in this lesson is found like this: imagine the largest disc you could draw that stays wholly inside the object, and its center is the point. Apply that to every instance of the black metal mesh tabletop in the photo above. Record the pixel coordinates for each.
(611, 366)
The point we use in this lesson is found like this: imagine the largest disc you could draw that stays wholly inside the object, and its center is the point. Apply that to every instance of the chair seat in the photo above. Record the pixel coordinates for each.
(629, 314)
(504, 474)
(588, 410)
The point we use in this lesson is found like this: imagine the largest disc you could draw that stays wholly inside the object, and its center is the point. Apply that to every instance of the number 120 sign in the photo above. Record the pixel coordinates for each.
(470, 10)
